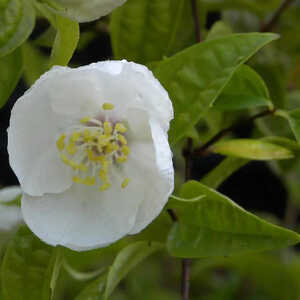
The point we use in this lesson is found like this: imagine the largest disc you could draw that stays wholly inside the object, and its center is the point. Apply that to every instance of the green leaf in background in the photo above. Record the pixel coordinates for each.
(17, 18)
(293, 118)
(246, 89)
(255, 6)
(216, 226)
(252, 149)
(65, 42)
(284, 142)
(219, 29)
(196, 76)
(66, 39)
(94, 290)
(126, 260)
(223, 171)
(30, 268)
(10, 73)
(157, 22)
(35, 63)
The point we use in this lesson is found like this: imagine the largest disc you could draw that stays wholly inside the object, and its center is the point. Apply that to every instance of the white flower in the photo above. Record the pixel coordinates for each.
(90, 149)
(10, 215)
(88, 10)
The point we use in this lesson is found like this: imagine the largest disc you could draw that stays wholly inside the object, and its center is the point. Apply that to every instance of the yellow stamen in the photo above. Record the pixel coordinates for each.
(122, 139)
(121, 159)
(120, 127)
(107, 128)
(86, 135)
(90, 181)
(71, 148)
(60, 143)
(104, 187)
(103, 174)
(102, 140)
(125, 183)
(85, 120)
(108, 106)
(77, 179)
(125, 150)
(75, 136)
(111, 147)
(83, 167)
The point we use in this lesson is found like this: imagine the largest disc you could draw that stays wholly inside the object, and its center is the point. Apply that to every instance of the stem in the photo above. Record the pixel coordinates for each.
(185, 273)
(196, 20)
(185, 279)
(187, 154)
(276, 16)
(228, 130)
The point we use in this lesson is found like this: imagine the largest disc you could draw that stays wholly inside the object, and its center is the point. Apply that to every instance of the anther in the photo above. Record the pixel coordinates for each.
(108, 106)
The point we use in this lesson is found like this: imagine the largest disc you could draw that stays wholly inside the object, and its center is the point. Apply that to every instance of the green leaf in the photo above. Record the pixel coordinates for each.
(35, 63)
(157, 22)
(219, 29)
(196, 76)
(223, 171)
(65, 42)
(246, 89)
(54, 269)
(66, 39)
(17, 18)
(186, 200)
(255, 6)
(10, 73)
(283, 141)
(216, 226)
(30, 268)
(293, 118)
(126, 260)
(94, 290)
(252, 149)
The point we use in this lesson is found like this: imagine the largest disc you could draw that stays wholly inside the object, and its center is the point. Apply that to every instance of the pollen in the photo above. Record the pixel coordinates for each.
(107, 128)
(122, 139)
(121, 159)
(104, 187)
(108, 106)
(92, 148)
(85, 120)
(60, 143)
(71, 148)
(125, 183)
(125, 150)
(119, 127)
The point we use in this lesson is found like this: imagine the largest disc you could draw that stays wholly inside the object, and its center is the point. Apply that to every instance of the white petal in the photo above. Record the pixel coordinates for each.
(154, 163)
(10, 216)
(89, 10)
(137, 88)
(10, 193)
(55, 102)
(82, 218)
(31, 144)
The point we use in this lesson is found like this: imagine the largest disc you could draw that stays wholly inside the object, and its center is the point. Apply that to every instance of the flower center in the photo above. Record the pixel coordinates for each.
(92, 147)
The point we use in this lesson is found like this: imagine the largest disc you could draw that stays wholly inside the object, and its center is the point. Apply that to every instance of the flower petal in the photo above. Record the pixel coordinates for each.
(84, 11)
(82, 218)
(55, 102)
(137, 88)
(153, 160)
(31, 143)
